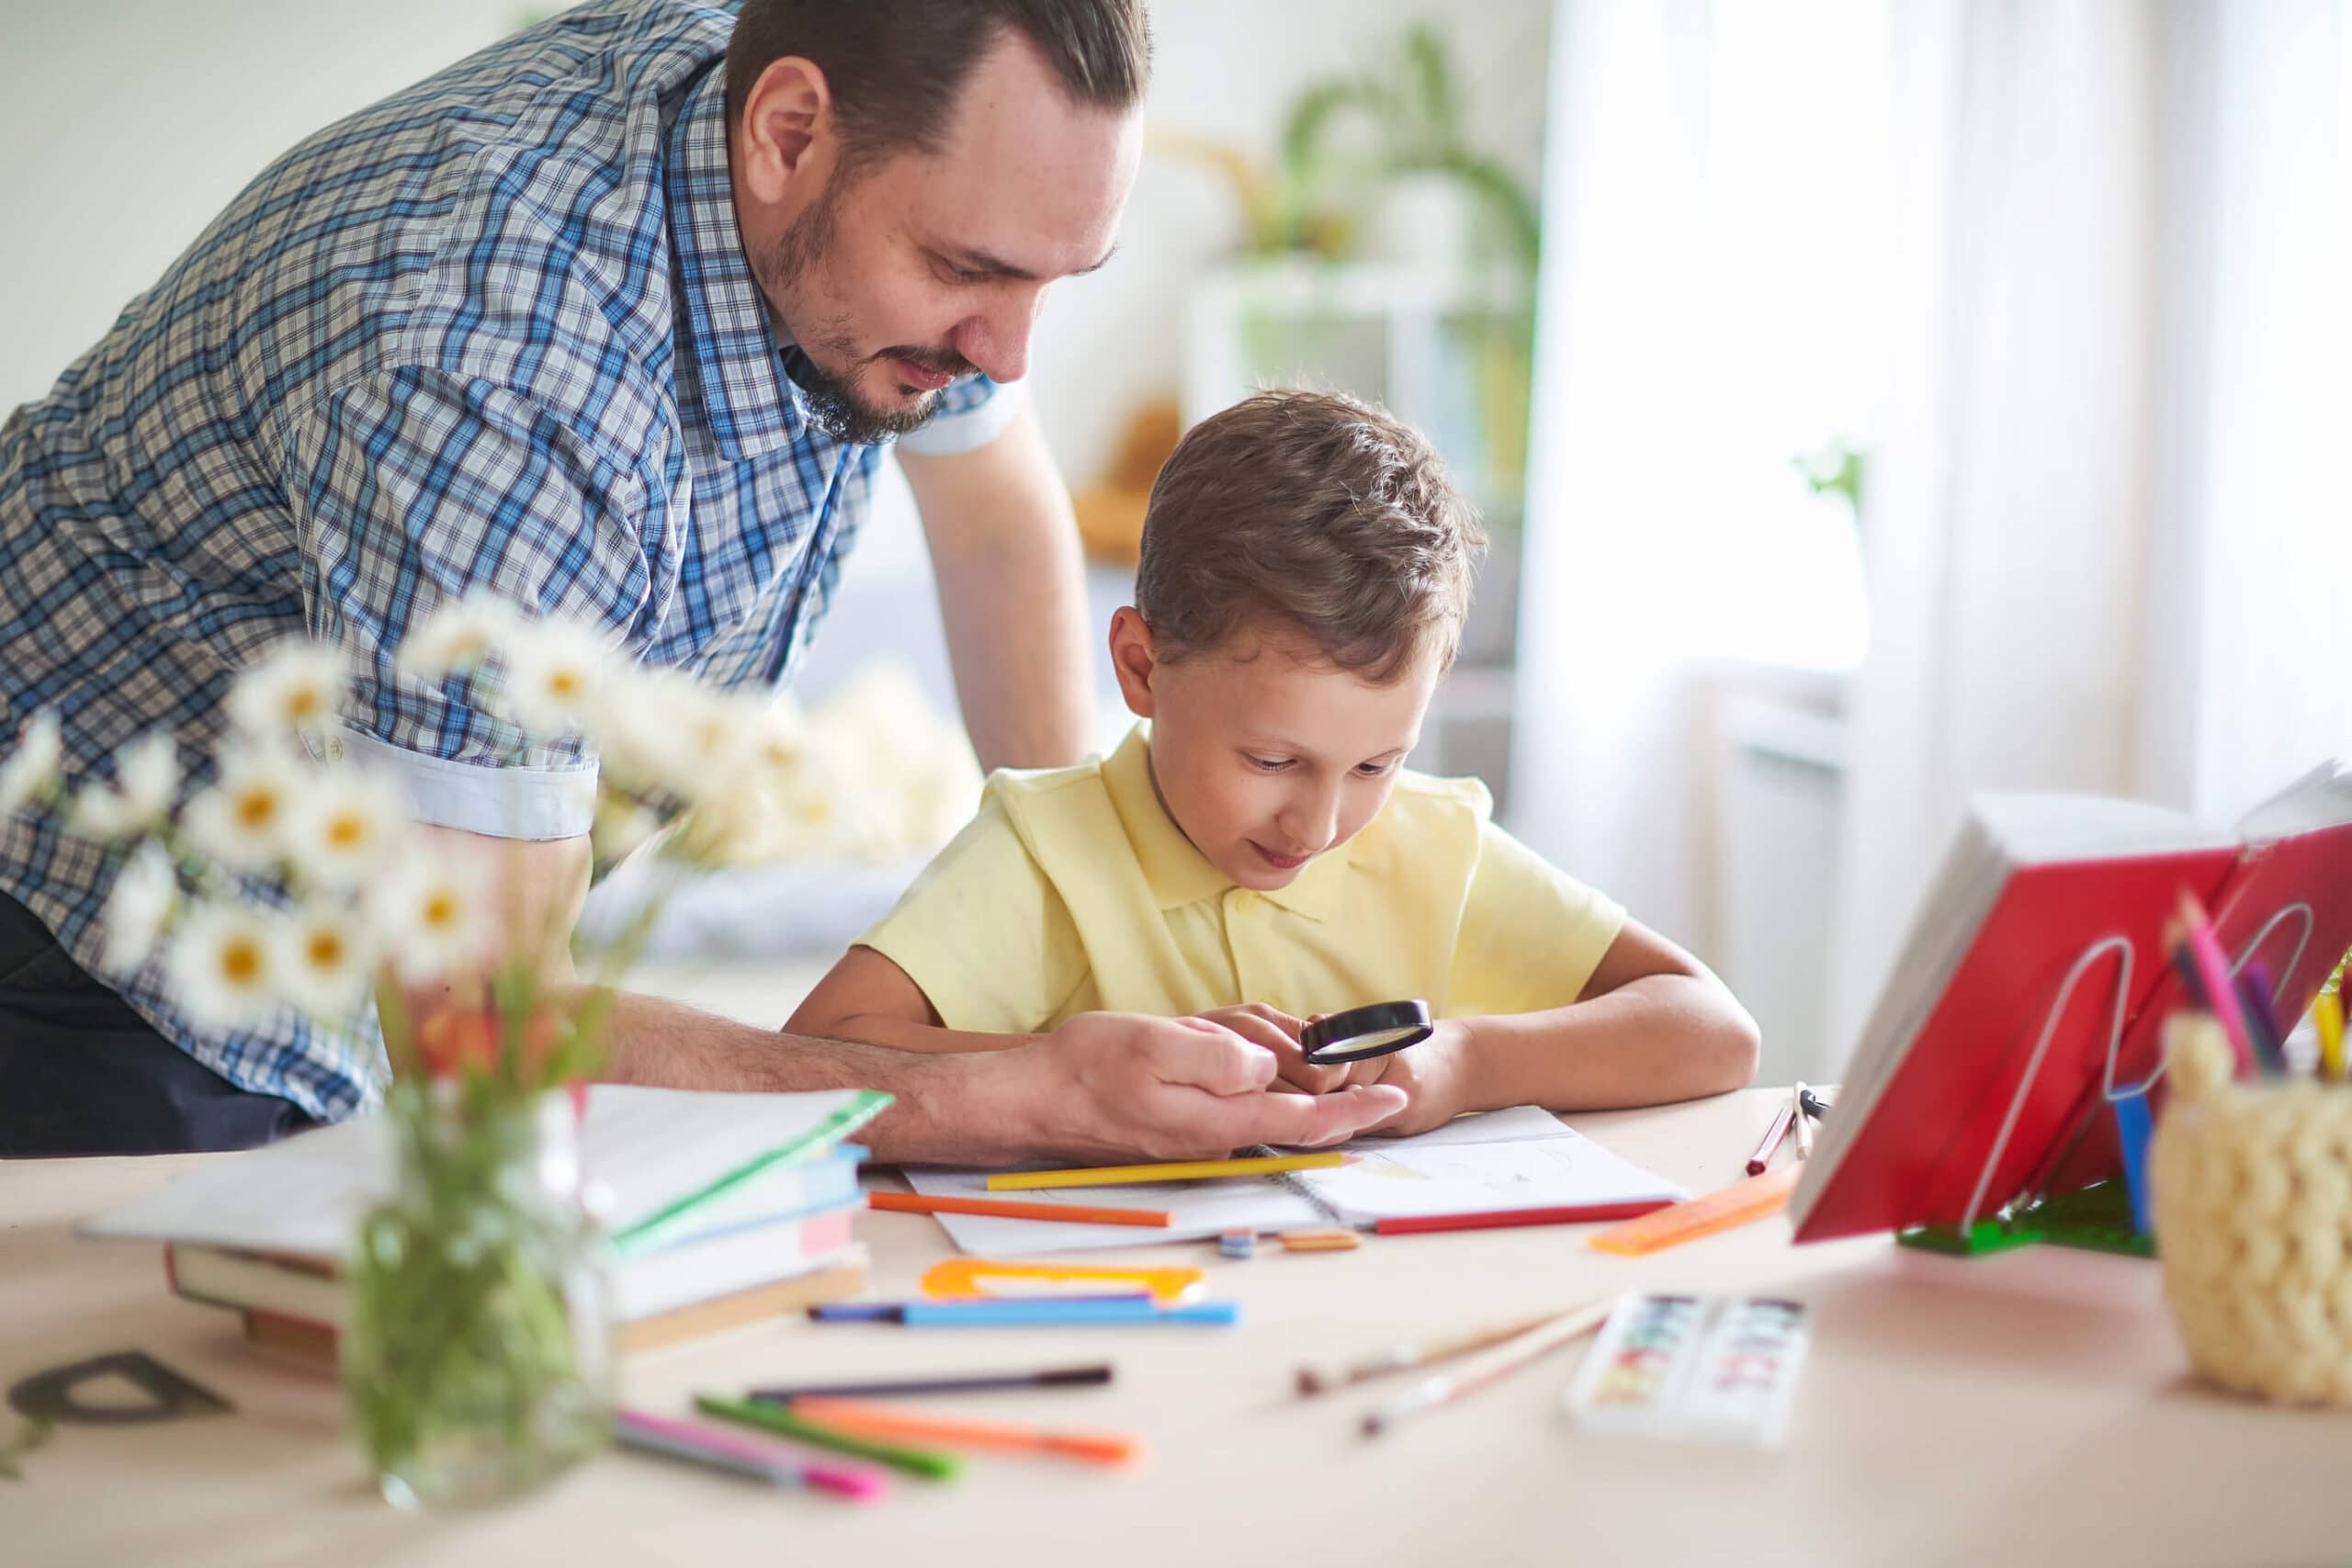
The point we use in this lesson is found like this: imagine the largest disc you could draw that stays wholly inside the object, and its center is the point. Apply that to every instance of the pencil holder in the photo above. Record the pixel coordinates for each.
(2252, 1186)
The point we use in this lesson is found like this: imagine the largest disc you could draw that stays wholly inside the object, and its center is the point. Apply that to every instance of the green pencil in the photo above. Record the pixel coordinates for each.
(784, 1424)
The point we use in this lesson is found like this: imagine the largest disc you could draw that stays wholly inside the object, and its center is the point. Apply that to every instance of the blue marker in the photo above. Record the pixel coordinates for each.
(2132, 1122)
(1028, 1312)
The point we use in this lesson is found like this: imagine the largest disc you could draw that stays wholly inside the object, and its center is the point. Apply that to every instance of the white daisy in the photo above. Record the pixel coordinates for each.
(31, 771)
(434, 914)
(222, 964)
(241, 821)
(323, 959)
(147, 774)
(554, 670)
(138, 909)
(458, 637)
(298, 685)
(342, 824)
(710, 743)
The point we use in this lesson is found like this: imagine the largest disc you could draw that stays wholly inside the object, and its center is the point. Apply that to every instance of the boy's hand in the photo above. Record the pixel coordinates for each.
(1125, 1086)
(1432, 1074)
(1278, 1032)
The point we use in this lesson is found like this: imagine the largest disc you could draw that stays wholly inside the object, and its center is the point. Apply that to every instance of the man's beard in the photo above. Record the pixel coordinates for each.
(799, 253)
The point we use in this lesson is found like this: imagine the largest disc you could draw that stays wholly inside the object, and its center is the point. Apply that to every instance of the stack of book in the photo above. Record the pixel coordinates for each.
(724, 1210)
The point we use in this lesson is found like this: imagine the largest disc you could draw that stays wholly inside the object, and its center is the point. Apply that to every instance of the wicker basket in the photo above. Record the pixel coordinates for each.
(2252, 1186)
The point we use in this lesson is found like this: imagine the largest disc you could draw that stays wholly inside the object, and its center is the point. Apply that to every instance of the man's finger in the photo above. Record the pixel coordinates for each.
(1309, 1121)
(1209, 1056)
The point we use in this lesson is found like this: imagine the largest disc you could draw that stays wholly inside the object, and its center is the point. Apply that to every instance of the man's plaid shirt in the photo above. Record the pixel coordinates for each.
(497, 330)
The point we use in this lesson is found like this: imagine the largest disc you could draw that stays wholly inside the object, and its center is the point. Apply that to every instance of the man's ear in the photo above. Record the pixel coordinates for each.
(786, 130)
(1134, 658)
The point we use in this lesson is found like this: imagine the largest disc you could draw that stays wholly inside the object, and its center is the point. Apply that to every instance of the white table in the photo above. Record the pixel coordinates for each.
(2029, 1407)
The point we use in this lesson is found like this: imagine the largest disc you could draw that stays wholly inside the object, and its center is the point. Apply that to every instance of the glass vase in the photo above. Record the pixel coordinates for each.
(480, 1351)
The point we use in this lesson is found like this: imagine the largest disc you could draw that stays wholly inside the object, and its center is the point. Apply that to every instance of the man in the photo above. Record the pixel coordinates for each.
(608, 320)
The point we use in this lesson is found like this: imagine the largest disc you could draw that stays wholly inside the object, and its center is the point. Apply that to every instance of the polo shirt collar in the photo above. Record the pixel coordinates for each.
(751, 404)
(1179, 874)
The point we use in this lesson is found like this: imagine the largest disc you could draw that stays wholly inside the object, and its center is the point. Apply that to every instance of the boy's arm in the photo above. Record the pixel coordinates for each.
(1653, 1024)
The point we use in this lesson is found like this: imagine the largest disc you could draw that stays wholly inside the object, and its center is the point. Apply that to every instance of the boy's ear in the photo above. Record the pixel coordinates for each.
(1134, 659)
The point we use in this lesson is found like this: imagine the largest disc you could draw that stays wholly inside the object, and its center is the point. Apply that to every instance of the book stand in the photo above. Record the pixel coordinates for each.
(2096, 1217)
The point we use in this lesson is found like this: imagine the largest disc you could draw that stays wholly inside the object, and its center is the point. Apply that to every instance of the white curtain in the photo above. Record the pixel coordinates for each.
(2109, 512)
(2093, 271)
(1710, 282)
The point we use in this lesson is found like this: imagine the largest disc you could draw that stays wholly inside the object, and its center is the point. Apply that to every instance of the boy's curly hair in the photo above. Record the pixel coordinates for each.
(1318, 512)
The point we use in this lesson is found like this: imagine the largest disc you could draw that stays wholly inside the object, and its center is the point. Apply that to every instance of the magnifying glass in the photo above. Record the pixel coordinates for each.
(1361, 1033)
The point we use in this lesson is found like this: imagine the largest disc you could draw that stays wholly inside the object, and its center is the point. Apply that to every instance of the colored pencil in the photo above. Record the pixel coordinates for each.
(1066, 1214)
(1805, 1123)
(779, 1419)
(1404, 1357)
(720, 1449)
(896, 1312)
(887, 1421)
(1051, 1377)
(1492, 1366)
(1771, 1145)
(2213, 975)
(2262, 1031)
(1500, 1219)
(1181, 1170)
(2329, 1006)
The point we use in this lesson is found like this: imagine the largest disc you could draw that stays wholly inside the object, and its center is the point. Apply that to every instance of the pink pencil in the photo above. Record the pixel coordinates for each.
(2213, 969)
(740, 1455)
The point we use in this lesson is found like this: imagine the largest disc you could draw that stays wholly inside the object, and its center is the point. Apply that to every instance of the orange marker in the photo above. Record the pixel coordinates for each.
(1068, 1214)
(1720, 1210)
(864, 1418)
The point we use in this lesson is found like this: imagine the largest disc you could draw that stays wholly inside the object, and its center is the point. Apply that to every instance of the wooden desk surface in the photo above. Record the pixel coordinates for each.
(2029, 1407)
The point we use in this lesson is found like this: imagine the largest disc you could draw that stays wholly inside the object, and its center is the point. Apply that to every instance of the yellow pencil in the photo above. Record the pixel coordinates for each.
(1182, 1170)
(2330, 1009)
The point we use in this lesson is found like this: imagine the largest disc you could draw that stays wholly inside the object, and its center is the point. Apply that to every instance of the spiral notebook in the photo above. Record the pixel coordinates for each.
(1491, 1163)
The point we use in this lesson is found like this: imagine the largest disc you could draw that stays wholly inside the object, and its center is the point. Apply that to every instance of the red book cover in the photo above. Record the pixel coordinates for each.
(1918, 1150)
(2287, 905)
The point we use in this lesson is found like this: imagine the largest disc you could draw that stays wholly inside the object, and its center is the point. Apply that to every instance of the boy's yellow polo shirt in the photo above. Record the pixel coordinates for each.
(1073, 891)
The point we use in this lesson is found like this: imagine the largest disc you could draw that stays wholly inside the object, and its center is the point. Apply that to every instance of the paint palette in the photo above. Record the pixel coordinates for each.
(1695, 1369)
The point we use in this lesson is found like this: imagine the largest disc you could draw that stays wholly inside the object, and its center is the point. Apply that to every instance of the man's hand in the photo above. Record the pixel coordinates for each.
(1278, 1032)
(1124, 1085)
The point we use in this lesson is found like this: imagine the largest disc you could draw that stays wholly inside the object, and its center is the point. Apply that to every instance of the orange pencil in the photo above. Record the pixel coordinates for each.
(1069, 1214)
(867, 1419)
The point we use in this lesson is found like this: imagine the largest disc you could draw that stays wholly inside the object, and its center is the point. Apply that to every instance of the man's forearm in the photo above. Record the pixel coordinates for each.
(952, 1108)
(1016, 630)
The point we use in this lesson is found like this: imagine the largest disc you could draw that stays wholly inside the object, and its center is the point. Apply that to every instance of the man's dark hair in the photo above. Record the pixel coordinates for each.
(897, 67)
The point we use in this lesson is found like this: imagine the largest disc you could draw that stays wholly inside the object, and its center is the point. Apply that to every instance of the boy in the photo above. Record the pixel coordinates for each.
(1254, 854)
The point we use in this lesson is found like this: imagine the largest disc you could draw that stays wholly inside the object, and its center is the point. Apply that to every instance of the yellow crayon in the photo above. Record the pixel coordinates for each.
(2330, 1010)
(1184, 1170)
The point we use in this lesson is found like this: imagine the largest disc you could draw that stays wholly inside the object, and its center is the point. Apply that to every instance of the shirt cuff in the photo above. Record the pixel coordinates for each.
(970, 429)
(498, 802)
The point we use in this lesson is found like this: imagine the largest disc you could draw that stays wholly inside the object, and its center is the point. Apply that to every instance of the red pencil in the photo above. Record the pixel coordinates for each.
(1573, 1214)
(1772, 1137)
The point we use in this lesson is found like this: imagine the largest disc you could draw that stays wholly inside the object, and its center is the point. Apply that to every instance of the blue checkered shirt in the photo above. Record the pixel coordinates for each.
(497, 330)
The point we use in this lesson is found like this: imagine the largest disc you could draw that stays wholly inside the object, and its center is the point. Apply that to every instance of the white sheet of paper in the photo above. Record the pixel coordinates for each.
(1523, 1157)
(1463, 1179)
(649, 1146)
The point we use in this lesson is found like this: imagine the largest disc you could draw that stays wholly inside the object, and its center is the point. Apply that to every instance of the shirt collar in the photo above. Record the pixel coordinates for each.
(751, 404)
(1179, 874)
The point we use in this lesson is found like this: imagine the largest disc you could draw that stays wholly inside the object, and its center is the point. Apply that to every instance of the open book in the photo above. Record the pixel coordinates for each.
(1522, 1158)
(1977, 1077)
